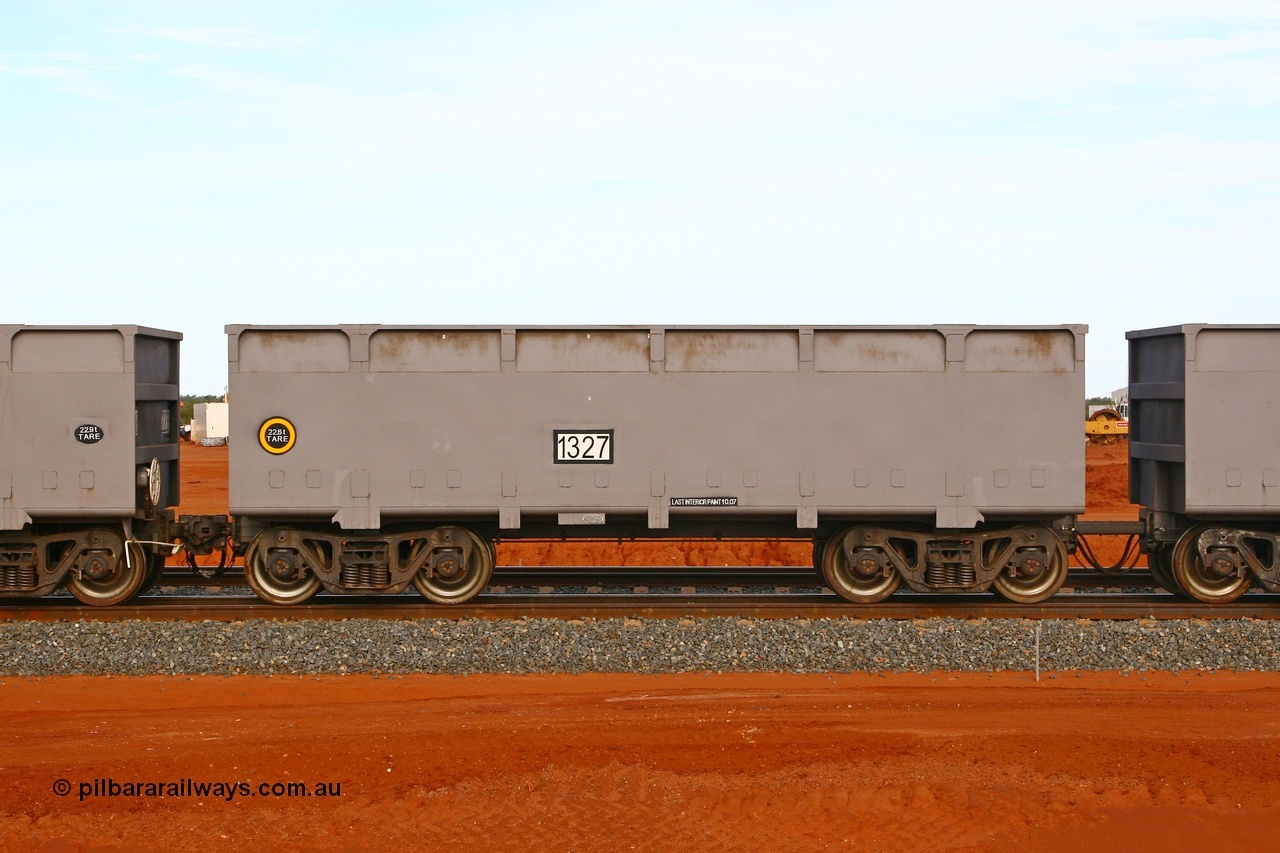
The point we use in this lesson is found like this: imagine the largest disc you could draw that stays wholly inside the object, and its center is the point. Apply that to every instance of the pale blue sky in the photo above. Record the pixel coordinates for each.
(188, 165)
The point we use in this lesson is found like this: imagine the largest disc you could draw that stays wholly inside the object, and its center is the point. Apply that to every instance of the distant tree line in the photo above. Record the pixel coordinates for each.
(1097, 401)
(187, 405)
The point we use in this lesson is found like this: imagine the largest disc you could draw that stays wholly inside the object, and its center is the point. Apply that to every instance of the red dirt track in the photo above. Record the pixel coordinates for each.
(933, 761)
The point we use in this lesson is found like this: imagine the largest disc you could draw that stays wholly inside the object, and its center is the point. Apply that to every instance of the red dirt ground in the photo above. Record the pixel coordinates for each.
(936, 761)
(615, 762)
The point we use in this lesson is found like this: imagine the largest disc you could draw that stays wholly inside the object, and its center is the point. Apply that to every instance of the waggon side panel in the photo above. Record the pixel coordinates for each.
(1205, 434)
(81, 407)
(789, 423)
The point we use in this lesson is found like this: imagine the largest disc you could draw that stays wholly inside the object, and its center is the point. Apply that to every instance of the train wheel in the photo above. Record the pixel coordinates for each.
(458, 575)
(155, 568)
(819, 548)
(1036, 580)
(279, 577)
(108, 575)
(1217, 584)
(1160, 562)
(867, 581)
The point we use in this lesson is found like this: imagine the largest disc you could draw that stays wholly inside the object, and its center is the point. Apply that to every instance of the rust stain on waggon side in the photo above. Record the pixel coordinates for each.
(1020, 351)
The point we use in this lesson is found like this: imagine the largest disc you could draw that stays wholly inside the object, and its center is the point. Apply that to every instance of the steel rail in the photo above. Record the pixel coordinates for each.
(773, 606)
(664, 576)
(625, 576)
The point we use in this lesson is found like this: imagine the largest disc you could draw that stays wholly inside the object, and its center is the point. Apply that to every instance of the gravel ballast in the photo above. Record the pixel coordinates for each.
(633, 645)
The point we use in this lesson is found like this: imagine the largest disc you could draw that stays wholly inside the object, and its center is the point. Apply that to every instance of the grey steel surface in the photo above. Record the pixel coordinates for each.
(1204, 422)
(81, 409)
(784, 428)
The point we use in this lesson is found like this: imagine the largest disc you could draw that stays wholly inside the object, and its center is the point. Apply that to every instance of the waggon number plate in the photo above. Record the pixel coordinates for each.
(574, 446)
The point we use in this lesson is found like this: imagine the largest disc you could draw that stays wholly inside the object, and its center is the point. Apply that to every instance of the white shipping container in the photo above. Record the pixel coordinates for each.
(211, 420)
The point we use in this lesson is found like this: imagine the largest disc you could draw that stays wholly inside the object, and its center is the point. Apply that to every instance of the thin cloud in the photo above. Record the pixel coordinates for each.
(919, 162)
(76, 81)
(235, 38)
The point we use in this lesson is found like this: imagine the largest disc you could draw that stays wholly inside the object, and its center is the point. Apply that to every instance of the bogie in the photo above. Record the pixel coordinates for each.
(107, 570)
(1207, 571)
(447, 564)
(1025, 564)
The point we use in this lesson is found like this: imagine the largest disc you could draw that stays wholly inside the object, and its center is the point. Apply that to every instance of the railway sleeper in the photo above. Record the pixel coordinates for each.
(447, 564)
(866, 563)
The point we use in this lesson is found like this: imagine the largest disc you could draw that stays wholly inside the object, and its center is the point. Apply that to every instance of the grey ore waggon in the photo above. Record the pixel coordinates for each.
(88, 459)
(366, 458)
(1204, 456)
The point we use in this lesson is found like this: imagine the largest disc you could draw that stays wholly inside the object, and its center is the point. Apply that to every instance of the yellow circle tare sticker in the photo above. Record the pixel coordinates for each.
(277, 435)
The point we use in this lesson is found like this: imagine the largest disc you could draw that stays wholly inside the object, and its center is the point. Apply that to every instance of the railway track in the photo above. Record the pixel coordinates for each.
(641, 578)
(497, 605)
(630, 577)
